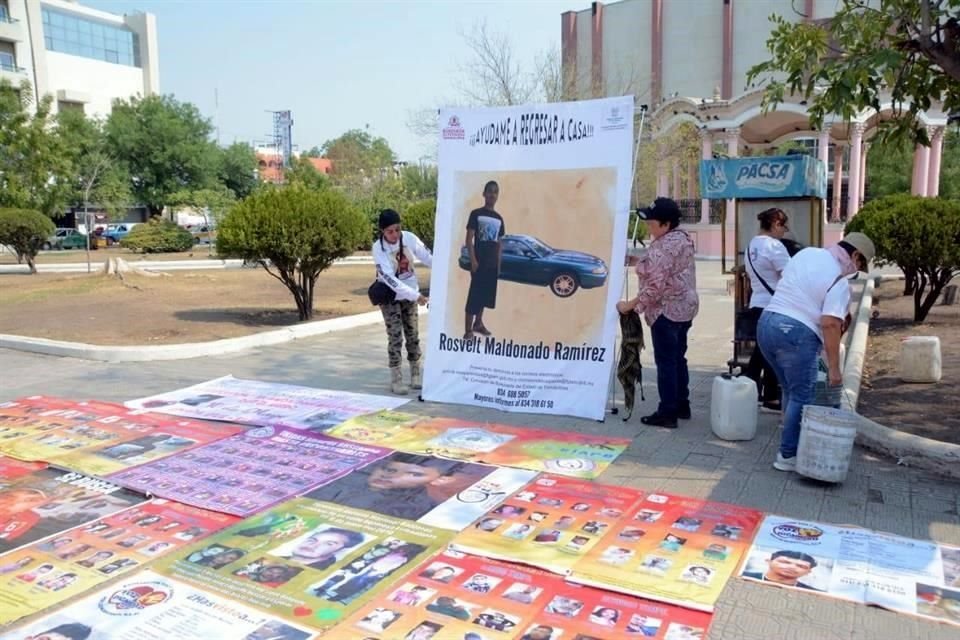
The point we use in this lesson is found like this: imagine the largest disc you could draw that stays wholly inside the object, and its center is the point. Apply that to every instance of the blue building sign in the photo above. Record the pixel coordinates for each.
(795, 176)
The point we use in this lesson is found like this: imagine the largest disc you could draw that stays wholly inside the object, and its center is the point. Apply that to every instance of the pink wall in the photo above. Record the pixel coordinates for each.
(707, 239)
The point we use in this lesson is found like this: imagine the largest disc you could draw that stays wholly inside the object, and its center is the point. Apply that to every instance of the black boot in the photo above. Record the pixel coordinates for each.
(660, 420)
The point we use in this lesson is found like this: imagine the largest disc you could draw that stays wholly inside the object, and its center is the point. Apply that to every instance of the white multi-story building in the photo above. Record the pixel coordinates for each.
(83, 58)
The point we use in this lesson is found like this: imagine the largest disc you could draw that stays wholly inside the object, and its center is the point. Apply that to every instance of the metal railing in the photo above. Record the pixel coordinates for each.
(690, 209)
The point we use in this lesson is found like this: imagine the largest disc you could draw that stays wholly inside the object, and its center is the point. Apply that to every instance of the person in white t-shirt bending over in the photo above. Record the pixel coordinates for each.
(765, 260)
(805, 315)
(394, 253)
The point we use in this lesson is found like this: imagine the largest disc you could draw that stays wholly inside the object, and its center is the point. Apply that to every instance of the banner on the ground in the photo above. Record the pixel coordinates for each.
(308, 562)
(524, 318)
(253, 402)
(147, 606)
(672, 549)
(250, 471)
(918, 577)
(453, 595)
(48, 502)
(448, 494)
(565, 453)
(551, 523)
(44, 574)
(99, 438)
(11, 469)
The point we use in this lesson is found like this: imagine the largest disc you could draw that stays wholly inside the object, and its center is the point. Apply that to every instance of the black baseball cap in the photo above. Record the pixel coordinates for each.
(662, 210)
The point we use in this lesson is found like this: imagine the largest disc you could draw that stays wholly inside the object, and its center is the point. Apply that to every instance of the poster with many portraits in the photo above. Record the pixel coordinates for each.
(453, 595)
(310, 563)
(918, 577)
(46, 573)
(532, 209)
(148, 606)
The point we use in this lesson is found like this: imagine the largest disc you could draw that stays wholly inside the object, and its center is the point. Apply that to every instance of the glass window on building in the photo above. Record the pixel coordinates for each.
(4, 11)
(8, 56)
(79, 36)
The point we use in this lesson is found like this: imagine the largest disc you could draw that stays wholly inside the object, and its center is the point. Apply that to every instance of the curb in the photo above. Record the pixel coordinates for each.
(147, 353)
(908, 449)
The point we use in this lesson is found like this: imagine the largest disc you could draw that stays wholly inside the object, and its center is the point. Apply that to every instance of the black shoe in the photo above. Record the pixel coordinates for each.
(684, 412)
(659, 420)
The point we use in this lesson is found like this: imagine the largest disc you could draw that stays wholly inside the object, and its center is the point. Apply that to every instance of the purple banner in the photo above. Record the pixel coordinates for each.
(250, 471)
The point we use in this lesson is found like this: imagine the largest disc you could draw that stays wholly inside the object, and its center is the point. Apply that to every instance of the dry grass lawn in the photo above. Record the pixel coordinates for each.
(187, 306)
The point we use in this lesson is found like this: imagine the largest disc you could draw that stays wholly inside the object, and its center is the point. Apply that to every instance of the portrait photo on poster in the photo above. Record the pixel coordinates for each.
(528, 248)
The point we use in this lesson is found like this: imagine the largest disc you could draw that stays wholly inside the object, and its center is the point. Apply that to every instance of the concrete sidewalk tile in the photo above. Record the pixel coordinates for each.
(874, 622)
(803, 506)
(934, 505)
(840, 510)
(938, 527)
(887, 520)
(689, 488)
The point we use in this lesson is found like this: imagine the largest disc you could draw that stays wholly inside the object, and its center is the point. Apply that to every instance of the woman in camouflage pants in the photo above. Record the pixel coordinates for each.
(394, 253)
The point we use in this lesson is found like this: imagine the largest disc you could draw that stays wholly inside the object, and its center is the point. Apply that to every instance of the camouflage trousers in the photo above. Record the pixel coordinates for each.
(400, 319)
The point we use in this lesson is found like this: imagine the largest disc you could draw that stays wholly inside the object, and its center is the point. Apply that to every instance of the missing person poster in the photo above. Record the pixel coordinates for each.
(310, 563)
(148, 606)
(455, 596)
(442, 493)
(254, 402)
(48, 502)
(11, 469)
(44, 574)
(918, 577)
(532, 209)
(672, 549)
(250, 471)
(565, 453)
(551, 523)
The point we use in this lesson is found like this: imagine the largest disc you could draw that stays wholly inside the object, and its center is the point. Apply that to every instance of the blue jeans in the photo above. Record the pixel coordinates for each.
(670, 356)
(792, 349)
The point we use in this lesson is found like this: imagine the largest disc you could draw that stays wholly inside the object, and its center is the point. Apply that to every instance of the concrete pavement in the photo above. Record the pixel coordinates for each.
(689, 461)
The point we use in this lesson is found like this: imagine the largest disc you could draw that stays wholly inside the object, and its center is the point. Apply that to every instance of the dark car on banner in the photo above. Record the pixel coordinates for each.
(528, 260)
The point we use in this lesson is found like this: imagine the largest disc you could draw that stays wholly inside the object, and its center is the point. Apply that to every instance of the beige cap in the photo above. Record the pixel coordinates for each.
(861, 243)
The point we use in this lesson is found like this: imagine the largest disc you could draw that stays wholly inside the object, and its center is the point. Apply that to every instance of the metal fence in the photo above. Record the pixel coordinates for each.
(690, 210)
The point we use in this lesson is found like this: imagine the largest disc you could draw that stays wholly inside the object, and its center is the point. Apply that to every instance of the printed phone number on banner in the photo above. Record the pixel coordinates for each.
(514, 398)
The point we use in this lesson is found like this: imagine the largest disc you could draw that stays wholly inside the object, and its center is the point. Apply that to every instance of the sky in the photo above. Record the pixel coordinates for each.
(336, 65)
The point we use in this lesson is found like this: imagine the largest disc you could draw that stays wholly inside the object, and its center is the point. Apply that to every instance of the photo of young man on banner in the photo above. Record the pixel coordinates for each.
(532, 211)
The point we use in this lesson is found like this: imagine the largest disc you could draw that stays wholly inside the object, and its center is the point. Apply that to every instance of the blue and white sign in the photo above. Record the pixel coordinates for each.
(796, 176)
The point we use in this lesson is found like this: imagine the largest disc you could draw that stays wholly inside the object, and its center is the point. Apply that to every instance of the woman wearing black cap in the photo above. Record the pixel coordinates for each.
(669, 302)
(393, 253)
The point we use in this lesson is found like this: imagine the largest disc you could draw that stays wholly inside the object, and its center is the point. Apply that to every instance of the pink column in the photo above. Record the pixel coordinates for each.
(853, 173)
(676, 181)
(915, 181)
(733, 151)
(933, 171)
(691, 180)
(837, 182)
(661, 180)
(656, 51)
(922, 160)
(706, 152)
(862, 189)
(823, 155)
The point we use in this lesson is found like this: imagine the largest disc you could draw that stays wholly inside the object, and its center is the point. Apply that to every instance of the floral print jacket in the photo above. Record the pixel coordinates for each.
(668, 279)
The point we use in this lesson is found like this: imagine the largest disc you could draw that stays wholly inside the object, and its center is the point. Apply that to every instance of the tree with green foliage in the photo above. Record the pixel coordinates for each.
(359, 157)
(294, 233)
(212, 203)
(888, 161)
(374, 197)
(906, 51)
(419, 218)
(919, 235)
(419, 181)
(25, 231)
(165, 145)
(238, 169)
(94, 176)
(302, 172)
(314, 152)
(33, 162)
(157, 236)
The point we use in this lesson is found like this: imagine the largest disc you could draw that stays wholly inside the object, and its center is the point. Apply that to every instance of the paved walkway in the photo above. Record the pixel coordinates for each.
(689, 461)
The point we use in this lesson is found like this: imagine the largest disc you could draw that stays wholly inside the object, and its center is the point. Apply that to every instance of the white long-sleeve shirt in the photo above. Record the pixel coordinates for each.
(386, 257)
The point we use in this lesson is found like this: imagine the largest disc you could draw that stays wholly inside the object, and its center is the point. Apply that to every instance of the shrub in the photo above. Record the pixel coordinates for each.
(919, 235)
(157, 236)
(25, 231)
(419, 218)
(294, 233)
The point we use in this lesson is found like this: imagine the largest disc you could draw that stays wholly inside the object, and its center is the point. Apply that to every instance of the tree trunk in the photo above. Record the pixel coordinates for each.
(155, 210)
(31, 264)
(938, 282)
(909, 281)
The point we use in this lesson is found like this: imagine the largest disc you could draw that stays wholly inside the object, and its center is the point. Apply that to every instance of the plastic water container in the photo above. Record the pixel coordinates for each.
(733, 408)
(826, 443)
(920, 359)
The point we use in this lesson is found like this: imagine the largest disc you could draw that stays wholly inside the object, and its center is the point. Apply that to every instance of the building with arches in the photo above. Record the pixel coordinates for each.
(688, 61)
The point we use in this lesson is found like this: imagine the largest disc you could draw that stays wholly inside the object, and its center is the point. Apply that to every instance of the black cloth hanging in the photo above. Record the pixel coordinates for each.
(629, 371)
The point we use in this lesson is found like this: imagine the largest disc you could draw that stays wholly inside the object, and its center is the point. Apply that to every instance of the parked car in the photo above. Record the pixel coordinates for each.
(117, 232)
(65, 239)
(528, 260)
(203, 234)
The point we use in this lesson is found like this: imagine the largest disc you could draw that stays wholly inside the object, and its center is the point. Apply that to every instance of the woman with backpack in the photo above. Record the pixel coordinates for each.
(397, 292)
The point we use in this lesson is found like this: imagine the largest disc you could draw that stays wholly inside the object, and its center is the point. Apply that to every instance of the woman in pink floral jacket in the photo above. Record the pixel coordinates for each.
(668, 302)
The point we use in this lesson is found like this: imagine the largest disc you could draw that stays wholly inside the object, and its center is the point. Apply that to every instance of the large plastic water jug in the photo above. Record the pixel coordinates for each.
(826, 443)
(733, 408)
(920, 359)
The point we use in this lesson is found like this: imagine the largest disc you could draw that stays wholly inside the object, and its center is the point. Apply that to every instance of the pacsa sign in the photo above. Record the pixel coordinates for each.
(770, 176)
(794, 176)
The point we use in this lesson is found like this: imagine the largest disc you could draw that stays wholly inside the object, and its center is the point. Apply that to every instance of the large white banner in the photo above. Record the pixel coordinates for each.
(532, 210)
